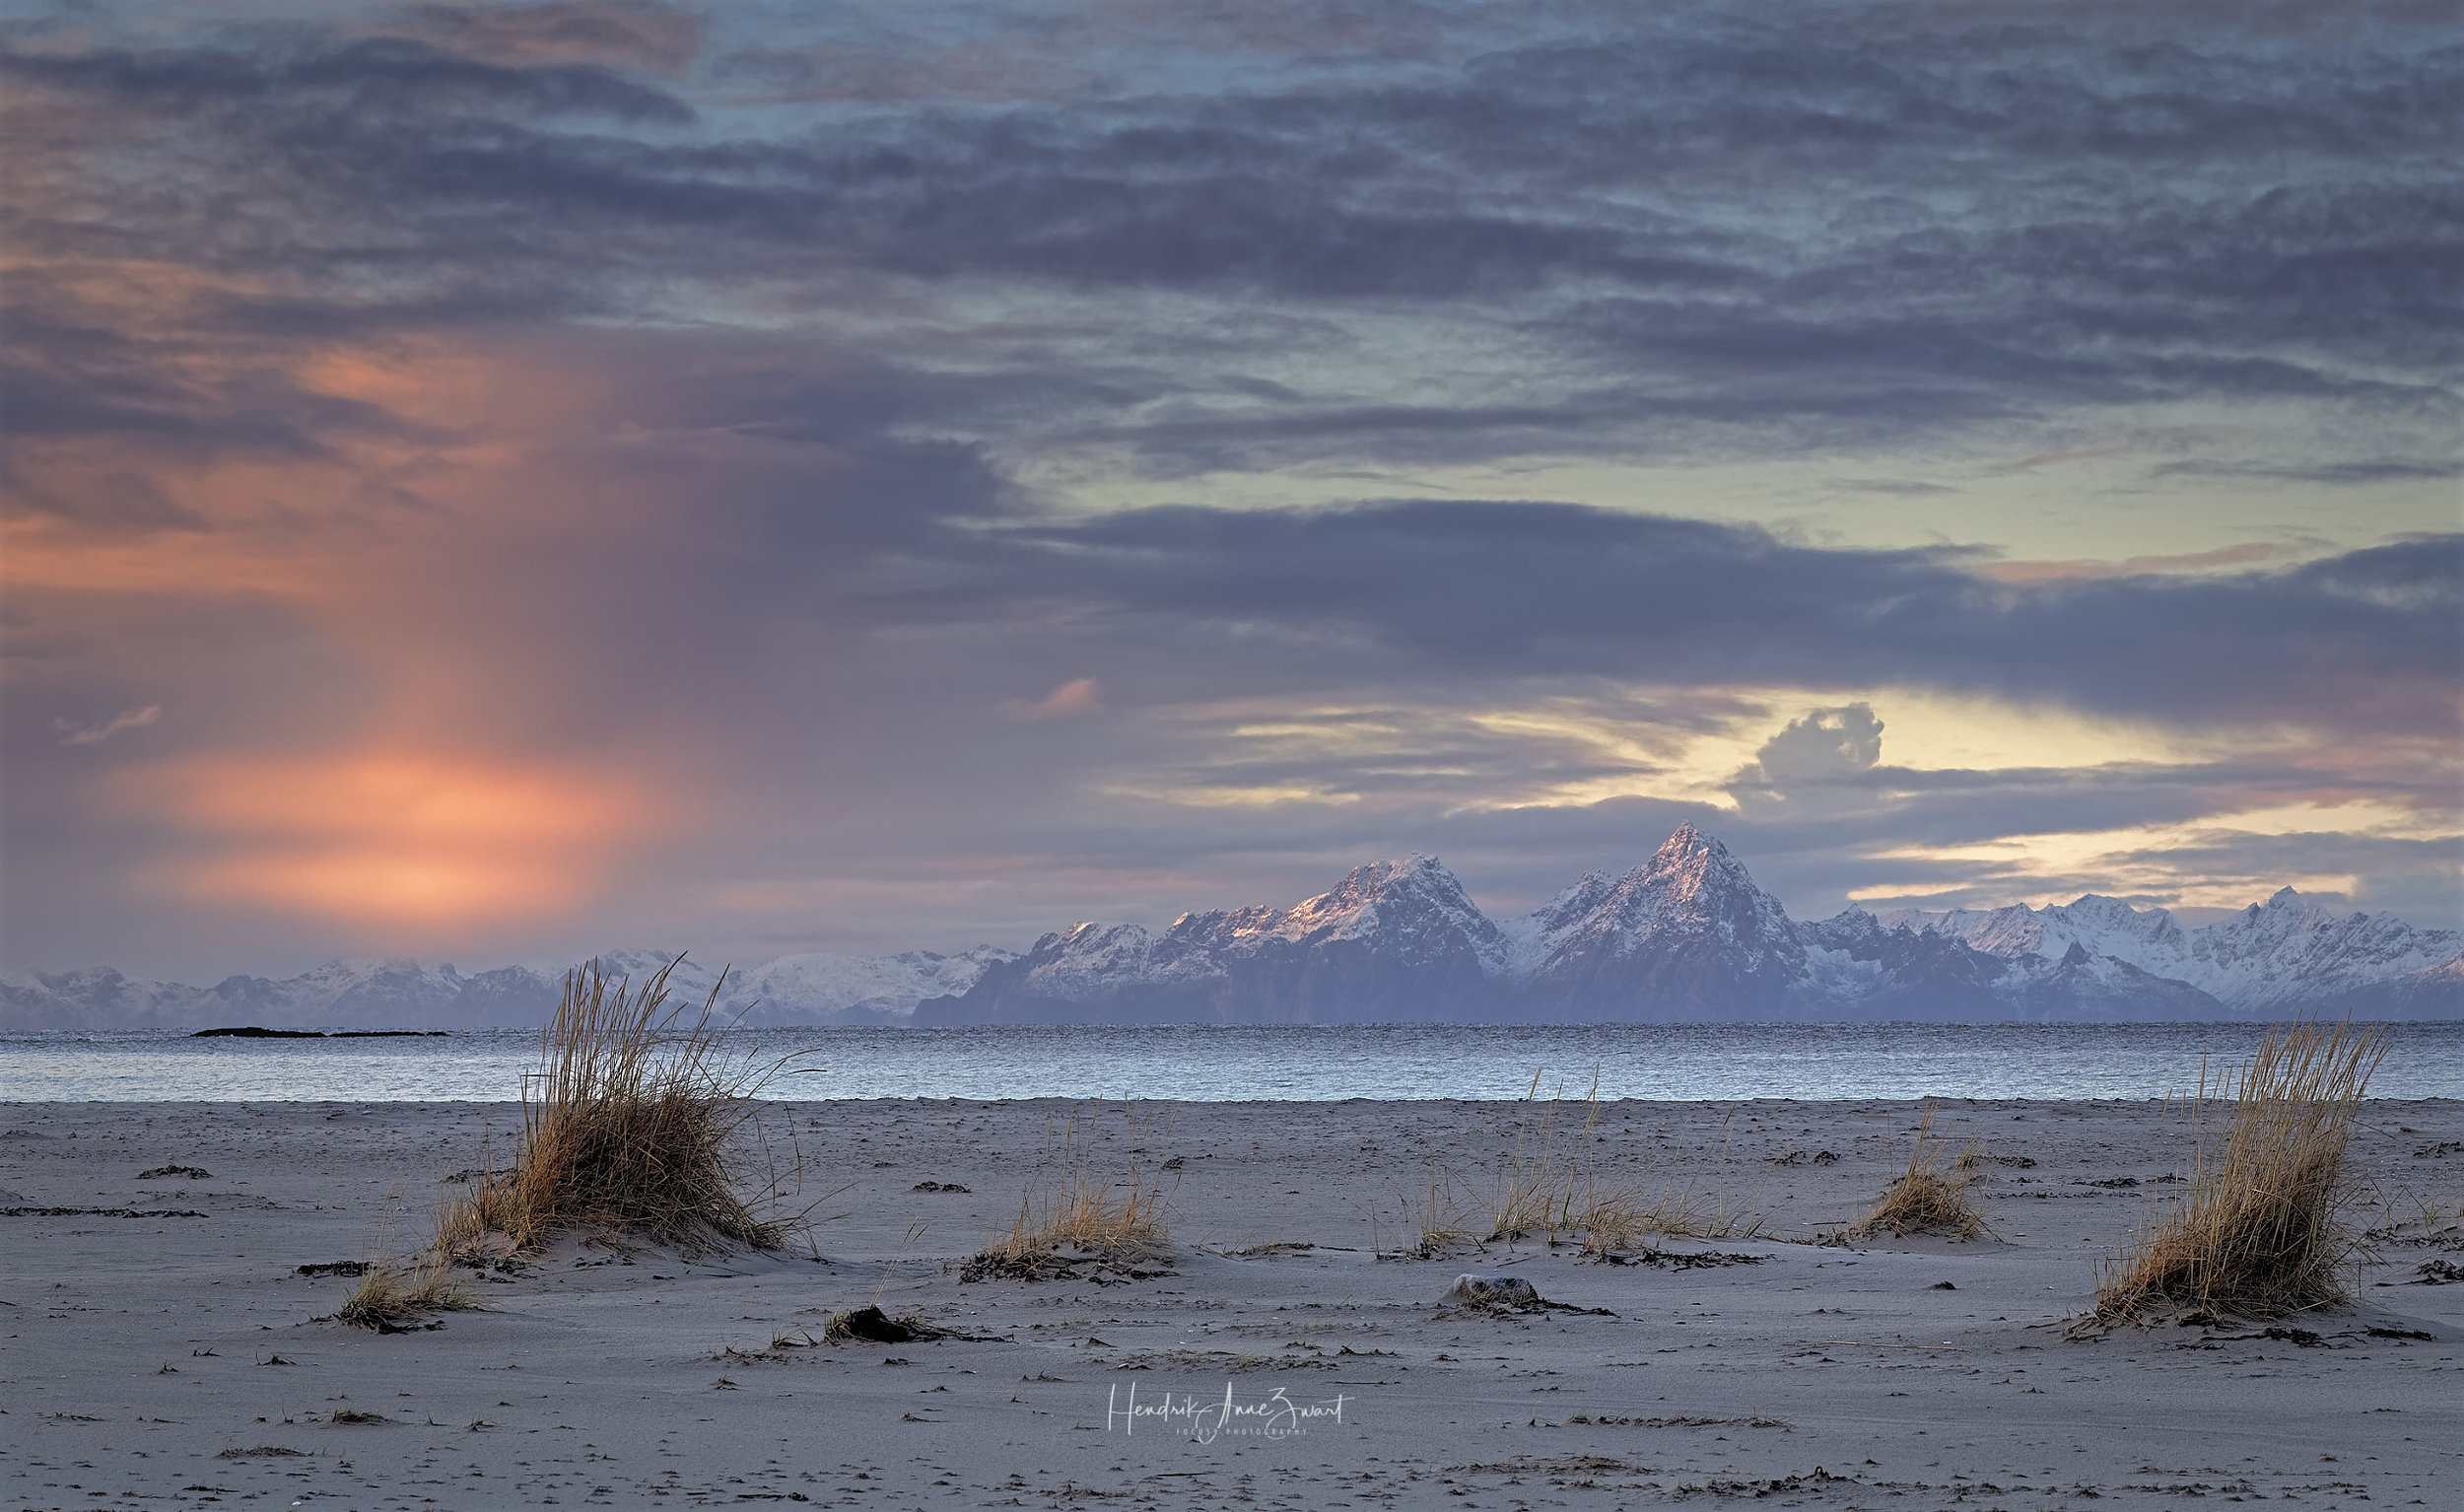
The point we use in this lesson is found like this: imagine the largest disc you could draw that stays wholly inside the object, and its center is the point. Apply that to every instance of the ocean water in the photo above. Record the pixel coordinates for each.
(1282, 1063)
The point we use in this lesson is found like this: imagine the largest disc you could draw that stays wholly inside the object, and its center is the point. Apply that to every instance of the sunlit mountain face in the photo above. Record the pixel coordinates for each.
(488, 481)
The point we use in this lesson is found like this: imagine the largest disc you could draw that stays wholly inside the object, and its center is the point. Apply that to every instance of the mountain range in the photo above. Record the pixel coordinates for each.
(1687, 937)
(428, 995)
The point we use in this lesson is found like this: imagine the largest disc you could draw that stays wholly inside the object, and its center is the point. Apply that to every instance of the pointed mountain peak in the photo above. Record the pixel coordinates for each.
(1700, 859)
(1692, 877)
(1685, 840)
(1414, 867)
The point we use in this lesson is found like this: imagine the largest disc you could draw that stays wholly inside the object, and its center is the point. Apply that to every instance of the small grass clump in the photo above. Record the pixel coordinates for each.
(1930, 1197)
(1438, 1220)
(1544, 1183)
(2259, 1236)
(1621, 1220)
(1550, 1187)
(636, 1121)
(392, 1301)
(1077, 1215)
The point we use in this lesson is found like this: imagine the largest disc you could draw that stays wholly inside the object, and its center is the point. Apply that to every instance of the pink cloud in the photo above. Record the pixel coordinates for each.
(1080, 695)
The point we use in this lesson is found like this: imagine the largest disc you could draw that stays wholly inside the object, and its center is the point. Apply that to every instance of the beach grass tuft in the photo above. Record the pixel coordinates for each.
(2259, 1234)
(638, 1120)
(1545, 1180)
(1621, 1220)
(1438, 1219)
(1555, 1184)
(1078, 1209)
(1932, 1196)
(390, 1300)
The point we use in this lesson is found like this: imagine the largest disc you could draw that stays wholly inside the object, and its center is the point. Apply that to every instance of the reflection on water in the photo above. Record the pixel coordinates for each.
(1218, 1064)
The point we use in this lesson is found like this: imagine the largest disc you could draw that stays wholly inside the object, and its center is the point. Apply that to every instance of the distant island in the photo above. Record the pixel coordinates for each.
(259, 1032)
(1684, 938)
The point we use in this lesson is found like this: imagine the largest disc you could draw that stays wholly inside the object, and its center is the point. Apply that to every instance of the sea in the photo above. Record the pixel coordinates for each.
(1275, 1064)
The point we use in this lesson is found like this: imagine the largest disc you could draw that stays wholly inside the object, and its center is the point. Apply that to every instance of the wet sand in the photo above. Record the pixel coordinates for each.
(160, 1349)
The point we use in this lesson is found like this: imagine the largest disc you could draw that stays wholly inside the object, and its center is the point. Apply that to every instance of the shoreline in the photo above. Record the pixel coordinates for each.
(593, 1367)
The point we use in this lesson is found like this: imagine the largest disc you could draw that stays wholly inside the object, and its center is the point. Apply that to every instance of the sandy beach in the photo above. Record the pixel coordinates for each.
(159, 1346)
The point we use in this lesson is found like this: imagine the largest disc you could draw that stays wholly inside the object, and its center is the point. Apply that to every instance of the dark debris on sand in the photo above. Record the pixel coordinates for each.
(1677, 1260)
(1000, 1264)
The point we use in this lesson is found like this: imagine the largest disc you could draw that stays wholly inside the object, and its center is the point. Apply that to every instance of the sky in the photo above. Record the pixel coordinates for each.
(497, 483)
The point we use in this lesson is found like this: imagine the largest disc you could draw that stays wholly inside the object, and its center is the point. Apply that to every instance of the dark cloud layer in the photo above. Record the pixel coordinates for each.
(753, 416)
(1818, 224)
(2371, 635)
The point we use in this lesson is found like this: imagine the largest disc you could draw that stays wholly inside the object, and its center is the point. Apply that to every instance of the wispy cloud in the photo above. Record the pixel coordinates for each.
(73, 732)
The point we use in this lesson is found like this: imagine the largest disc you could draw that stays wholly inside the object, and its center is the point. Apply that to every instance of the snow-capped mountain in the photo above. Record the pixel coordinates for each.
(419, 995)
(1687, 937)
(1393, 940)
(2284, 955)
(1688, 926)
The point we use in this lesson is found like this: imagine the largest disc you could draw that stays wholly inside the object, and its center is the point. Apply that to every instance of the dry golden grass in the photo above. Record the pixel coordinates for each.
(638, 1120)
(1438, 1219)
(2258, 1235)
(1076, 1210)
(1932, 1196)
(1552, 1185)
(1541, 1184)
(390, 1300)
(1623, 1220)
(393, 1296)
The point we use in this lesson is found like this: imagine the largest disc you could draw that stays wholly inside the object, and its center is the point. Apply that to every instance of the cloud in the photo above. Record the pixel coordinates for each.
(73, 732)
(562, 31)
(2375, 470)
(1504, 589)
(716, 418)
(1080, 695)
(2161, 213)
(1809, 757)
(2242, 555)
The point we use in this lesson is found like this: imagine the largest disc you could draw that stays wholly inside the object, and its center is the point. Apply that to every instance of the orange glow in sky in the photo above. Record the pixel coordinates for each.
(389, 837)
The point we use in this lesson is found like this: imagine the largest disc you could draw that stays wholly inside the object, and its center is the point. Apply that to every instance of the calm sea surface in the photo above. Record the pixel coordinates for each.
(1215, 1065)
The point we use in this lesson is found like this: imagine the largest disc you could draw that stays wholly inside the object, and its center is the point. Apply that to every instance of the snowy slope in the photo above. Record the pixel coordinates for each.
(1394, 938)
(853, 988)
(2286, 953)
